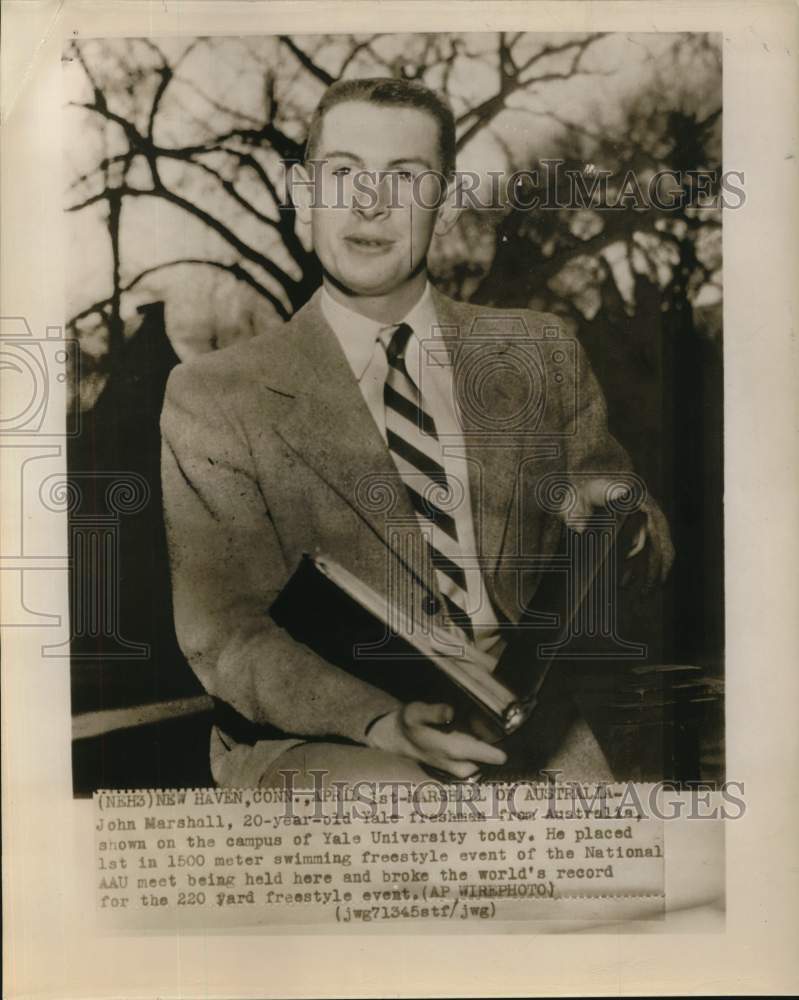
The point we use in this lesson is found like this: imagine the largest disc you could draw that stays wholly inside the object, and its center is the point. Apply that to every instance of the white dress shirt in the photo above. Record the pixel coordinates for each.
(359, 339)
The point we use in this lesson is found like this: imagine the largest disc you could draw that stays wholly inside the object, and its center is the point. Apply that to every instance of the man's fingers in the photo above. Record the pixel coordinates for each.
(661, 540)
(660, 554)
(462, 769)
(595, 490)
(457, 753)
(667, 547)
(465, 747)
(575, 515)
(638, 544)
(419, 713)
(591, 493)
(459, 746)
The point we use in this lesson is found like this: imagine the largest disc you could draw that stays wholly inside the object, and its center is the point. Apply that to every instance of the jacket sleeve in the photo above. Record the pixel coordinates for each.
(590, 447)
(227, 568)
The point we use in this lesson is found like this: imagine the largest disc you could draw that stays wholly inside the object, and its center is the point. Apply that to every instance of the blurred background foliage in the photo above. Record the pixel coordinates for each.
(175, 175)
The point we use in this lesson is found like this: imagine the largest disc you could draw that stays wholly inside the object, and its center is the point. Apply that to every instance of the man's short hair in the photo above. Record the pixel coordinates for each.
(392, 93)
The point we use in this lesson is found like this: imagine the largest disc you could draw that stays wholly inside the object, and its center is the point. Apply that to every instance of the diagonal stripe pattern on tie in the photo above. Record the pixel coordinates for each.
(413, 442)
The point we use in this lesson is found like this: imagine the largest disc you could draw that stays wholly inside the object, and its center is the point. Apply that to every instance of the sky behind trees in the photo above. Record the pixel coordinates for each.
(203, 124)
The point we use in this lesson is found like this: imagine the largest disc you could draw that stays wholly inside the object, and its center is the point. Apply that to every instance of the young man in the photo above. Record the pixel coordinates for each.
(271, 448)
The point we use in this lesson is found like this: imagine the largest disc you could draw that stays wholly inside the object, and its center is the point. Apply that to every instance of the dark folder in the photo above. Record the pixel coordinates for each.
(351, 626)
(348, 624)
(526, 700)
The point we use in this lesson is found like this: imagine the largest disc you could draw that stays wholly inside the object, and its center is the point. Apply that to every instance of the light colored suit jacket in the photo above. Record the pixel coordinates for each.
(269, 451)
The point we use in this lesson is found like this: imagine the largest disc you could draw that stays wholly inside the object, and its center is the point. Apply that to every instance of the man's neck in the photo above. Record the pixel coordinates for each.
(382, 308)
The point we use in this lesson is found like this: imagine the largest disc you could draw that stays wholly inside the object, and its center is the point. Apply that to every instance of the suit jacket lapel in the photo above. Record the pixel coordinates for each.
(493, 457)
(331, 429)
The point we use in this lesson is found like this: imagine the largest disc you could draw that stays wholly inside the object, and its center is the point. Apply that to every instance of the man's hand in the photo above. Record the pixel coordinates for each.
(653, 534)
(411, 731)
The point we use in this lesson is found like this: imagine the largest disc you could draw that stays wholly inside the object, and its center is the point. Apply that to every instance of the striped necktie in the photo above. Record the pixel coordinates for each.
(413, 442)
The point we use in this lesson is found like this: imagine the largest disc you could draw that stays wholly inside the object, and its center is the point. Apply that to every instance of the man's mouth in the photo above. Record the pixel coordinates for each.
(369, 244)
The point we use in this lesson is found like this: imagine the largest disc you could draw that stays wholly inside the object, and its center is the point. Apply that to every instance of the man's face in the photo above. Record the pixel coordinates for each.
(370, 228)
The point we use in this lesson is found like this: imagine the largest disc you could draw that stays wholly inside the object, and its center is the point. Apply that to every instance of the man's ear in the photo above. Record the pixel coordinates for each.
(301, 192)
(450, 208)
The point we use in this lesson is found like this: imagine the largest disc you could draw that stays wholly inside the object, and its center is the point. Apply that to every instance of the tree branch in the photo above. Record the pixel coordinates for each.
(103, 165)
(357, 48)
(216, 105)
(511, 81)
(238, 272)
(94, 199)
(286, 215)
(285, 147)
(166, 78)
(289, 284)
(305, 60)
(230, 188)
(227, 234)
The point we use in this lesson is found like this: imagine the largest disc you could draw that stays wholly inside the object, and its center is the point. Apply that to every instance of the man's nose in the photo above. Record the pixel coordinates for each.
(374, 201)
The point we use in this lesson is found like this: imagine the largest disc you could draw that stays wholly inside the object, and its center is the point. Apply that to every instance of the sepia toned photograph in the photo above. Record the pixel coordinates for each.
(398, 447)
(398, 379)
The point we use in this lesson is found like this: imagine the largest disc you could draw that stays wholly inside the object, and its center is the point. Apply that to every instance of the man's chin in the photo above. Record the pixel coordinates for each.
(357, 287)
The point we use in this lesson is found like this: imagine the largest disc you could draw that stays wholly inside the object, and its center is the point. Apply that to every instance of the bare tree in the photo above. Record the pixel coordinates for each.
(135, 92)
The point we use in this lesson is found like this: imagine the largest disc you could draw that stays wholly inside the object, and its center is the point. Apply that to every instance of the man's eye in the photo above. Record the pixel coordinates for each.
(404, 175)
(341, 171)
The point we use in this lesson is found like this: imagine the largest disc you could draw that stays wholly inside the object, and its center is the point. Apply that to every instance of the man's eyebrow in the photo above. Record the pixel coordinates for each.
(411, 159)
(341, 154)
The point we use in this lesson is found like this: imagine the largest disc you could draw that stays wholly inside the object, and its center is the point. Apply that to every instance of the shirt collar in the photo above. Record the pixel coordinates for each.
(357, 334)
